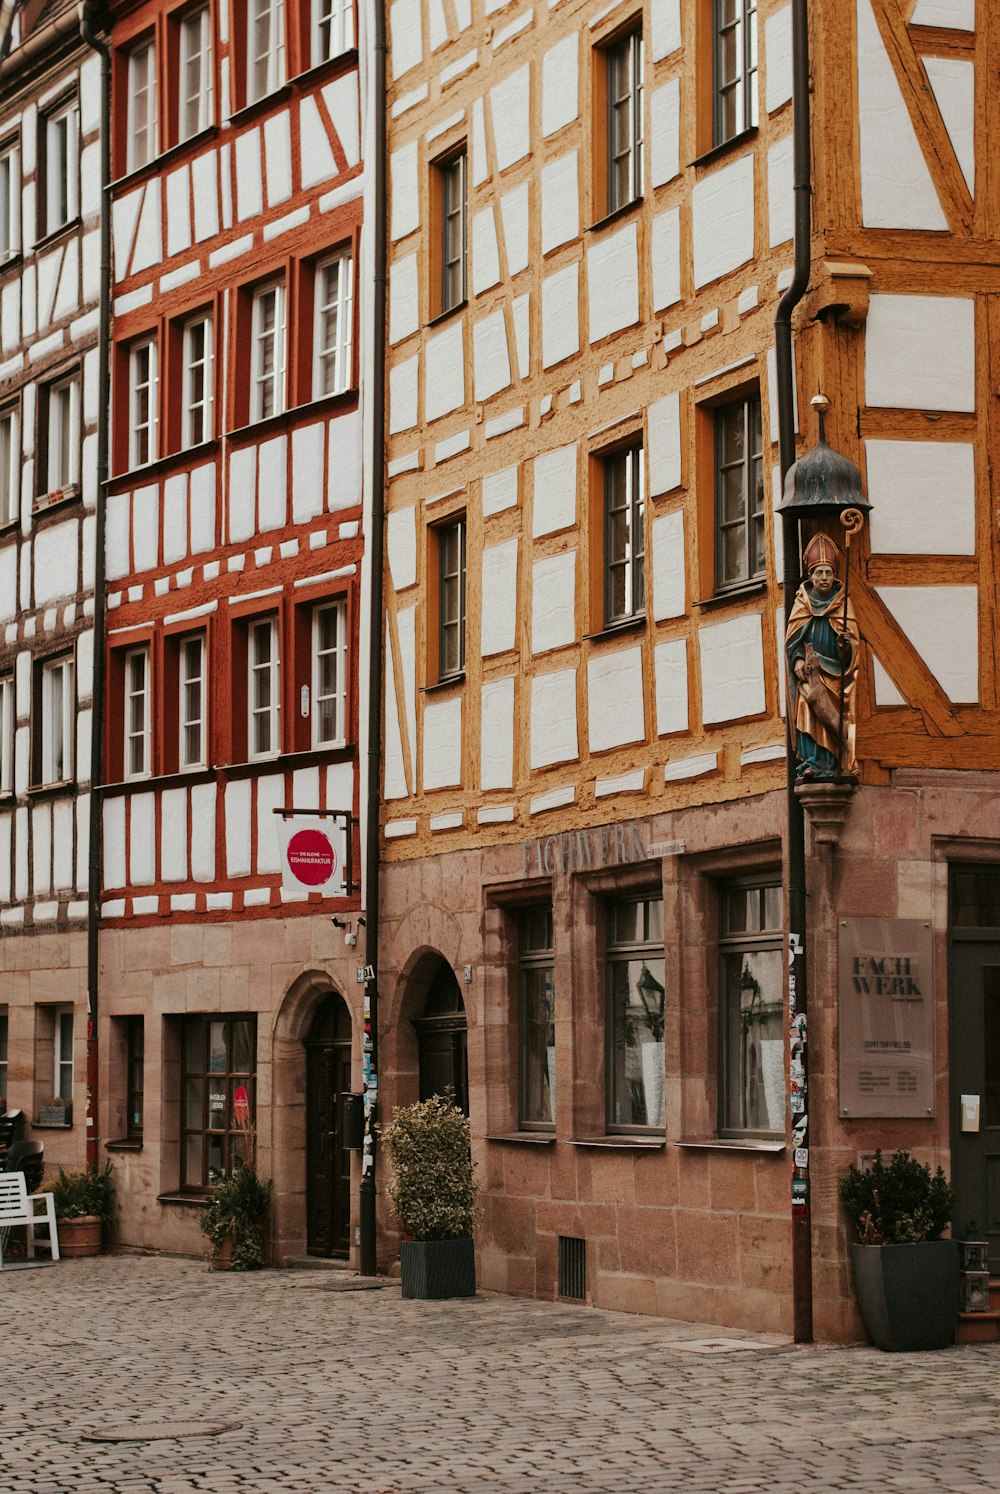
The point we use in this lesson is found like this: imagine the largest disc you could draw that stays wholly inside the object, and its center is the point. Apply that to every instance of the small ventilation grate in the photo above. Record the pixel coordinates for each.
(572, 1268)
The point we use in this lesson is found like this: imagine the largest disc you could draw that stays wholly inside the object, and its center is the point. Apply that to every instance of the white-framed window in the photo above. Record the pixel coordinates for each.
(194, 112)
(141, 104)
(62, 1053)
(329, 675)
(263, 689)
(63, 434)
(143, 401)
(192, 699)
(268, 354)
(333, 28)
(10, 465)
(10, 200)
(197, 419)
(61, 136)
(6, 735)
(58, 712)
(333, 339)
(137, 713)
(265, 48)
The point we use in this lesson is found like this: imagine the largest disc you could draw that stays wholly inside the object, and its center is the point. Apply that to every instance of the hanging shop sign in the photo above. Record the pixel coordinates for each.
(886, 1018)
(313, 855)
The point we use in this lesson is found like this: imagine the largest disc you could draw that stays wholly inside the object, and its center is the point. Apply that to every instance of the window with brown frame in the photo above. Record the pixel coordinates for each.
(218, 1087)
(449, 541)
(740, 548)
(537, 1012)
(751, 1035)
(450, 234)
(636, 1001)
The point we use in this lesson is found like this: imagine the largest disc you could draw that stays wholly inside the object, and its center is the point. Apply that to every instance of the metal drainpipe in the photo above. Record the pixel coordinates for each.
(91, 15)
(369, 1255)
(802, 1285)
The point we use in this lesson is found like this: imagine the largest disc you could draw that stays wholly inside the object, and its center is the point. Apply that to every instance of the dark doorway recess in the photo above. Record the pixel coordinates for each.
(328, 1164)
(974, 1021)
(442, 1040)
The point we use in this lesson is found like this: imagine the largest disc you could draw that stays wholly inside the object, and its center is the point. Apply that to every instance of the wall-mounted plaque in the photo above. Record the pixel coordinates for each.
(886, 1018)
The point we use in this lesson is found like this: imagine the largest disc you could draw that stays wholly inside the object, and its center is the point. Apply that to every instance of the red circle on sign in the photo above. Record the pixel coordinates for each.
(311, 858)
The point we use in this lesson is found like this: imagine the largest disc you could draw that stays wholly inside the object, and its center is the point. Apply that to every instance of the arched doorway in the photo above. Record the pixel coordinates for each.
(442, 1039)
(328, 1164)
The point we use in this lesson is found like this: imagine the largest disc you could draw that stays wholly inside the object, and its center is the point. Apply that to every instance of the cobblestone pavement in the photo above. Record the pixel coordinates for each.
(286, 1381)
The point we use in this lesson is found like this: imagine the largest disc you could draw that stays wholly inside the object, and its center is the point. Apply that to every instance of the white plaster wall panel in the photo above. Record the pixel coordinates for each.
(485, 253)
(401, 546)
(24, 586)
(437, 26)
(278, 157)
(307, 471)
(68, 287)
(406, 632)
(780, 200)
(62, 845)
(954, 85)
(560, 193)
(463, 14)
(22, 757)
(344, 462)
(666, 28)
(270, 795)
(48, 279)
(6, 846)
(82, 812)
(722, 220)
(142, 839)
(615, 699)
(498, 624)
(496, 741)
(480, 164)
(553, 730)
(553, 602)
(491, 359)
(272, 484)
(613, 283)
(124, 217)
(442, 744)
(174, 833)
(668, 566)
(28, 302)
(203, 799)
(444, 379)
(665, 128)
(942, 623)
(205, 176)
(499, 491)
(317, 163)
(663, 437)
(90, 181)
(178, 210)
(897, 190)
(57, 560)
(560, 315)
(89, 548)
(886, 693)
(84, 731)
(405, 215)
(41, 848)
(8, 582)
(510, 103)
(238, 818)
(394, 775)
(249, 176)
(920, 353)
(406, 44)
(21, 855)
(732, 669)
(22, 684)
(560, 85)
(84, 666)
(202, 511)
(242, 494)
(340, 785)
(146, 527)
(554, 502)
(923, 496)
(958, 14)
(403, 396)
(521, 312)
(778, 58)
(90, 95)
(91, 243)
(148, 248)
(514, 216)
(10, 315)
(772, 391)
(404, 298)
(341, 98)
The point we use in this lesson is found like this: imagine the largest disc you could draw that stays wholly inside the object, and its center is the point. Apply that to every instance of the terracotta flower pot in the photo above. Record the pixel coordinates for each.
(79, 1236)
(222, 1255)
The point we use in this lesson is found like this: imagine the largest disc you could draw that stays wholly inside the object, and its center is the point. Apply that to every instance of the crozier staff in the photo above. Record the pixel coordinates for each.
(822, 646)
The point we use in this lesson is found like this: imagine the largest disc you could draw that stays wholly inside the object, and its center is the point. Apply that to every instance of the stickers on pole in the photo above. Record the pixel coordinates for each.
(312, 855)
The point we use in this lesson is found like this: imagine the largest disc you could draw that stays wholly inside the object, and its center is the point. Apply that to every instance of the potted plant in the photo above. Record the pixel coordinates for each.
(433, 1195)
(84, 1203)
(235, 1216)
(906, 1277)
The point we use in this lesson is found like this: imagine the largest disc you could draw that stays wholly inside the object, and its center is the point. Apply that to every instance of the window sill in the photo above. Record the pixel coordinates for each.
(46, 503)
(285, 761)
(10, 262)
(283, 419)
(746, 589)
(160, 464)
(443, 316)
(329, 68)
(192, 1200)
(734, 141)
(626, 1143)
(38, 791)
(614, 216)
(751, 1144)
(9, 526)
(54, 235)
(247, 112)
(526, 1138)
(612, 630)
(158, 163)
(52, 1125)
(123, 1146)
(445, 684)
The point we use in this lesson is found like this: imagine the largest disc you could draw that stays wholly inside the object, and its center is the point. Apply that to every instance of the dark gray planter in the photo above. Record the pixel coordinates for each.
(432, 1269)
(908, 1294)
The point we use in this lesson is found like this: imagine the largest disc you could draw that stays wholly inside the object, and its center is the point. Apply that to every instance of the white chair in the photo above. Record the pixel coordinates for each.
(18, 1206)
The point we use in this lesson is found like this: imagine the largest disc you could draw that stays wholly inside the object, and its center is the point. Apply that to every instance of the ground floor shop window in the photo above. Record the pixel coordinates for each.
(636, 998)
(537, 1019)
(218, 1095)
(752, 1059)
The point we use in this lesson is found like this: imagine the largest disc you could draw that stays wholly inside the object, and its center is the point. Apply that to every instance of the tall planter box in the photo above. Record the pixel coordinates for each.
(908, 1294)
(433, 1269)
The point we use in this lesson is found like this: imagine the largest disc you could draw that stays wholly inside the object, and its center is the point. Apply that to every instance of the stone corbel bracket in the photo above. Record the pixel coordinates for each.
(826, 802)
(839, 293)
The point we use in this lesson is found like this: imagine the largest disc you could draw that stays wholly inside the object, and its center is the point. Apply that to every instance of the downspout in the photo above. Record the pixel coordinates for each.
(369, 1255)
(91, 15)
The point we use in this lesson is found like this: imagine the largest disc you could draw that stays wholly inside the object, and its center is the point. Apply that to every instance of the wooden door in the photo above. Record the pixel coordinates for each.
(328, 1163)
(974, 1013)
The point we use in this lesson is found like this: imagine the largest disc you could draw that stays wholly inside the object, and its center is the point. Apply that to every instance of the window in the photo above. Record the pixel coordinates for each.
(537, 1102)
(197, 396)
(451, 193)
(62, 1079)
(333, 28)
(268, 354)
(635, 974)
(217, 1077)
(141, 105)
(134, 1056)
(263, 690)
(60, 406)
(451, 598)
(59, 203)
(734, 68)
(329, 675)
(334, 326)
(624, 536)
(143, 447)
(4, 1026)
(10, 465)
(6, 733)
(137, 713)
(752, 1056)
(10, 201)
(54, 746)
(624, 95)
(195, 83)
(739, 493)
(265, 48)
(192, 702)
